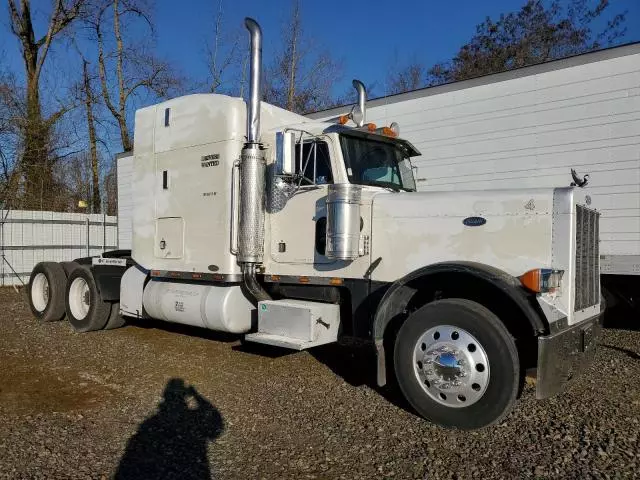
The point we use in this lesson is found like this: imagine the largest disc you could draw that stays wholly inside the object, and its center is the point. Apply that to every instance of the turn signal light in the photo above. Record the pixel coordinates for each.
(542, 280)
(343, 119)
(371, 127)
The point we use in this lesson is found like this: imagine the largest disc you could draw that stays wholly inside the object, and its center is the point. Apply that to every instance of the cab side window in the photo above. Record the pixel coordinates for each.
(314, 164)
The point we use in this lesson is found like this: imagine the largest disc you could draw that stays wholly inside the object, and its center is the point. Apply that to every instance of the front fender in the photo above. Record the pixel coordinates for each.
(397, 297)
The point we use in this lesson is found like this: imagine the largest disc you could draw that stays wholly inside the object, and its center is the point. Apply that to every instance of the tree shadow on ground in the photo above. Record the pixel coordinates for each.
(173, 442)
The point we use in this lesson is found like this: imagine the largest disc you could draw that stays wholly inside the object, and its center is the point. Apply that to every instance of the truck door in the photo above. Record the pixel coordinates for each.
(298, 211)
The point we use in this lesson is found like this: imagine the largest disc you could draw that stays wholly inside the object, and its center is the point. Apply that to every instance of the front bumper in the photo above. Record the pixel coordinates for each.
(564, 354)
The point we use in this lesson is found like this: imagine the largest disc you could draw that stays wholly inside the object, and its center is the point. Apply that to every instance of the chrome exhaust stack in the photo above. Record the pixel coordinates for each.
(255, 93)
(359, 112)
(252, 177)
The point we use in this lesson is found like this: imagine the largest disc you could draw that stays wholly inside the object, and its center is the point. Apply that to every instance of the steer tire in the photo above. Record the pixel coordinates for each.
(457, 365)
(86, 311)
(46, 291)
(115, 319)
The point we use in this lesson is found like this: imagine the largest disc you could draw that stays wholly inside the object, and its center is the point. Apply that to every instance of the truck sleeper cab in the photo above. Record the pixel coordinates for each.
(298, 233)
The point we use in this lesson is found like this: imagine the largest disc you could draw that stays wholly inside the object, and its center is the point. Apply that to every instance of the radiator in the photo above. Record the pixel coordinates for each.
(587, 291)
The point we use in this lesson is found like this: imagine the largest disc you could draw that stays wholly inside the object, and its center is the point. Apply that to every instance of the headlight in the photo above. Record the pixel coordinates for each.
(542, 280)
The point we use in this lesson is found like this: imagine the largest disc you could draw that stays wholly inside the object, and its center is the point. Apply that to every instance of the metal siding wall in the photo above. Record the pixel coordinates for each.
(29, 237)
(530, 131)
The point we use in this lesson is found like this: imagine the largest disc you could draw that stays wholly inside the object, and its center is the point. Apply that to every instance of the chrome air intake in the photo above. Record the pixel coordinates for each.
(343, 221)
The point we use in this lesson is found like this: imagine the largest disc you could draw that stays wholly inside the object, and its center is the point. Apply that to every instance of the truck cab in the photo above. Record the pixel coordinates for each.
(254, 220)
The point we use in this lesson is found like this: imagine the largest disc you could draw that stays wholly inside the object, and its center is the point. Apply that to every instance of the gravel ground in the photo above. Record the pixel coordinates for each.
(157, 401)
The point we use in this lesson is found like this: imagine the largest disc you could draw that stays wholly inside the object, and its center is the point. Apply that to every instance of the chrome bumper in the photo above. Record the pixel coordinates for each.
(563, 355)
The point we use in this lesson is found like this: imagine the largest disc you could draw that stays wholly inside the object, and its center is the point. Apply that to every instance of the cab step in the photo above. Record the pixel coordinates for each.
(280, 341)
(296, 324)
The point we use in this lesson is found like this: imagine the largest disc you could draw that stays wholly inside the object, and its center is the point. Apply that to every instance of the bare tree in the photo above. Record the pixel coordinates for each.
(36, 164)
(8, 127)
(410, 77)
(222, 55)
(136, 69)
(537, 33)
(89, 100)
(110, 188)
(301, 77)
(73, 179)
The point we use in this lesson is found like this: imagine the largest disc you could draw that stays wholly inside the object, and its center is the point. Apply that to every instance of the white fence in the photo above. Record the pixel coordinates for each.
(29, 237)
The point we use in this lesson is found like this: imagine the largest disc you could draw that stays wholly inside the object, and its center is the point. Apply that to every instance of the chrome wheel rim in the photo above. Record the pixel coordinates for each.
(79, 298)
(40, 292)
(451, 366)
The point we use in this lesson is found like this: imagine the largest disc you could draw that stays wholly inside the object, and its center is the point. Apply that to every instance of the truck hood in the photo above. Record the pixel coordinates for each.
(507, 229)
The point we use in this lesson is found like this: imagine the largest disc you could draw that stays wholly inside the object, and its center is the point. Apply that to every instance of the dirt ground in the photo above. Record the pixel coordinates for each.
(152, 400)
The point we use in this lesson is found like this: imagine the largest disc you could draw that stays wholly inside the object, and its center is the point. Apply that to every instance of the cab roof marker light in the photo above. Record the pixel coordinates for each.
(386, 131)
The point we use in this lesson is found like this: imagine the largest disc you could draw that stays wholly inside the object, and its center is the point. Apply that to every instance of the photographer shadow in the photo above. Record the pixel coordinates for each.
(173, 442)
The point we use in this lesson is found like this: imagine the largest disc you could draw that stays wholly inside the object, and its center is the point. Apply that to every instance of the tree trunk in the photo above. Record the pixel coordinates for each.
(293, 61)
(96, 206)
(36, 165)
(35, 162)
(122, 94)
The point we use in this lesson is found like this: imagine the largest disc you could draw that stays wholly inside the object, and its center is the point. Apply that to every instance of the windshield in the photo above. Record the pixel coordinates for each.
(378, 163)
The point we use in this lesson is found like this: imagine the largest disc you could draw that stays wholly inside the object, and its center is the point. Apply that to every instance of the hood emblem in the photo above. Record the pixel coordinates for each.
(474, 221)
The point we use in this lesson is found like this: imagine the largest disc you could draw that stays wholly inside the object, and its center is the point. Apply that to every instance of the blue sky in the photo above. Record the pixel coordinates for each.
(366, 36)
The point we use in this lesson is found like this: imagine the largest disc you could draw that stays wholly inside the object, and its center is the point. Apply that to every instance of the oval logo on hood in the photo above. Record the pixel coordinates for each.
(474, 221)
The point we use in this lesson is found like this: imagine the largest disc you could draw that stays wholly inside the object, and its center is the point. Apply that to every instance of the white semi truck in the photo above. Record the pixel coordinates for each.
(298, 233)
(530, 128)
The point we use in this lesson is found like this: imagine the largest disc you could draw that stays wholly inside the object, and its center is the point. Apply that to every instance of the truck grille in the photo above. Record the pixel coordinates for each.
(587, 258)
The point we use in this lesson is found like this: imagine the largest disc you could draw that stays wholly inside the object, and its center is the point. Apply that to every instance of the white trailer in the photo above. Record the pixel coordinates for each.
(528, 128)
(250, 219)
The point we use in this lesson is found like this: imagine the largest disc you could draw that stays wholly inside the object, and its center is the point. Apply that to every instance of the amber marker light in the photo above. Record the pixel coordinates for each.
(542, 280)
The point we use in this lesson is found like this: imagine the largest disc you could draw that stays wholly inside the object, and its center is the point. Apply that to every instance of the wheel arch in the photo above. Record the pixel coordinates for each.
(487, 285)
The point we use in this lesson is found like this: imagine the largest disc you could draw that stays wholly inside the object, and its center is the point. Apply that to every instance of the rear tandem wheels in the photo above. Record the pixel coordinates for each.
(70, 289)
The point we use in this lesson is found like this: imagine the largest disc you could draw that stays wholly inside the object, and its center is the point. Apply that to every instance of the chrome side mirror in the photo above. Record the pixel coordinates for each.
(285, 153)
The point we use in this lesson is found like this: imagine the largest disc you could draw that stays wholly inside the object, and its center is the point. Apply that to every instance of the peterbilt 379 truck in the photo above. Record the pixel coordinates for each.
(298, 233)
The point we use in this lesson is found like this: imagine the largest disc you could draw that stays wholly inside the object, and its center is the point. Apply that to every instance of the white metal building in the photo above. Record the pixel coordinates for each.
(528, 127)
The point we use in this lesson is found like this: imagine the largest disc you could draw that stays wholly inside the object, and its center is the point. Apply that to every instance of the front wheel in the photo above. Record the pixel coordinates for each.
(457, 364)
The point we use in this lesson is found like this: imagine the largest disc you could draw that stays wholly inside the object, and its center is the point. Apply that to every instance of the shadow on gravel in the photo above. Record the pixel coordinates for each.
(173, 442)
(262, 350)
(621, 319)
(188, 330)
(626, 351)
(621, 315)
(356, 365)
